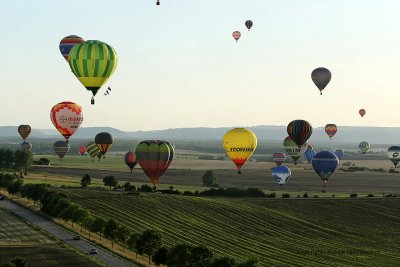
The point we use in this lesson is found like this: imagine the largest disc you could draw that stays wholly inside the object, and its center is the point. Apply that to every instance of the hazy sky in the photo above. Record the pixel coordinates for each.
(180, 67)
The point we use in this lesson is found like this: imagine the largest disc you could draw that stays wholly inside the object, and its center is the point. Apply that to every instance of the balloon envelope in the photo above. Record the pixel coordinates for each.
(321, 77)
(104, 141)
(278, 158)
(61, 148)
(24, 131)
(236, 35)
(92, 149)
(309, 153)
(281, 174)
(362, 112)
(292, 149)
(394, 154)
(299, 131)
(339, 153)
(26, 145)
(239, 144)
(364, 147)
(82, 150)
(66, 117)
(130, 160)
(154, 157)
(248, 24)
(67, 43)
(330, 130)
(325, 164)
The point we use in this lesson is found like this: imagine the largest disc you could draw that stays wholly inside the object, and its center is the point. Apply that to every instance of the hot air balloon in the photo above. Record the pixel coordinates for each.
(61, 148)
(330, 130)
(281, 174)
(325, 164)
(24, 131)
(99, 155)
(82, 150)
(292, 149)
(309, 153)
(158, 2)
(248, 24)
(67, 43)
(130, 160)
(339, 153)
(321, 77)
(104, 141)
(299, 131)
(394, 154)
(239, 144)
(154, 157)
(92, 149)
(362, 112)
(66, 117)
(236, 35)
(363, 146)
(93, 62)
(26, 145)
(278, 158)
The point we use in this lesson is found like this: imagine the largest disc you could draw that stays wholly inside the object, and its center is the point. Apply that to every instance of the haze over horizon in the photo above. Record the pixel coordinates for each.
(179, 66)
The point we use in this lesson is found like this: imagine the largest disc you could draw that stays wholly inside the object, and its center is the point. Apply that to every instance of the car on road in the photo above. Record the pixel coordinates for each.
(76, 237)
(2, 197)
(93, 251)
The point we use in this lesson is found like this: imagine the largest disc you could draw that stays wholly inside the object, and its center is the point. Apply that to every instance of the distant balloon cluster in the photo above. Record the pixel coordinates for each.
(236, 34)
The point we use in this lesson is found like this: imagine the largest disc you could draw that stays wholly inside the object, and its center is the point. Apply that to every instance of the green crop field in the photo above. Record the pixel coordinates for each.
(296, 232)
(18, 238)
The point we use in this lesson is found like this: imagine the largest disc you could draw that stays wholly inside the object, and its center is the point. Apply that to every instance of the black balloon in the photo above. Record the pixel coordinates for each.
(321, 77)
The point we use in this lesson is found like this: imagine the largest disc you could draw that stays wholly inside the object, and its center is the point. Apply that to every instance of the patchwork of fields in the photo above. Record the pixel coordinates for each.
(299, 232)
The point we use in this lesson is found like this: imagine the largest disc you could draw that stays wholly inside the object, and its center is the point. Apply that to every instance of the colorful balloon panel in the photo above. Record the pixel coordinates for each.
(104, 142)
(309, 153)
(325, 164)
(281, 174)
(130, 160)
(154, 157)
(293, 150)
(321, 77)
(66, 117)
(278, 158)
(299, 131)
(92, 149)
(394, 155)
(93, 62)
(26, 145)
(61, 148)
(24, 131)
(330, 130)
(67, 43)
(239, 144)
(364, 147)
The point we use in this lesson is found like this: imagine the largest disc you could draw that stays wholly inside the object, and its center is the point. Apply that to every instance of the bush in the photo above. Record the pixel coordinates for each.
(393, 171)
(316, 196)
(188, 193)
(305, 195)
(353, 195)
(272, 195)
(145, 188)
(370, 195)
(285, 195)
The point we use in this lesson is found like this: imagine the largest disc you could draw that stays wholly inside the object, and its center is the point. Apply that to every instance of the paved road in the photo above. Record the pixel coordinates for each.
(64, 235)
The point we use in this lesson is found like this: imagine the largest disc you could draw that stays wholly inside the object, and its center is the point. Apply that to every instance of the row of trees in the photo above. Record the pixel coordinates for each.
(18, 160)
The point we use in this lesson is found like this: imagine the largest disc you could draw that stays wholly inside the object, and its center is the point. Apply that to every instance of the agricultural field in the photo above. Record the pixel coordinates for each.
(296, 232)
(18, 238)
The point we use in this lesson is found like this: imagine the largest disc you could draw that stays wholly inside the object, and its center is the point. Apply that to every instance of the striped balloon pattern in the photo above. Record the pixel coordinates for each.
(278, 158)
(61, 148)
(26, 145)
(154, 157)
(330, 130)
(104, 142)
(130, 160)
(24, 131)
(66, 117)
(92, 149)
(93, 62)
(364, 147)
(299, 131)
(67, 43)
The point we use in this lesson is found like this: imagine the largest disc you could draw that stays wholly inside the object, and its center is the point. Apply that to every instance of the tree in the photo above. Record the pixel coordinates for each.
(15, 186)
(19, 262)
(79, 215)
(6, 179)
(160, 256)
(23, 159)
(129, 187)
(9, 158)
(179, 256)
(110, 229)
(132, 241)
(66, 214)
(223, 262)
(122, 233)
(201, 256)
(148, 242)
(86, 180)
(98, 226)
(110, 181)
(60, 206)
(209, 178)
(250, 262)
(87, 223)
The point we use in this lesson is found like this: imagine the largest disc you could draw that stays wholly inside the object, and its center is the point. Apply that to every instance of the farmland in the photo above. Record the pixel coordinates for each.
(18, 238)
(302, 232)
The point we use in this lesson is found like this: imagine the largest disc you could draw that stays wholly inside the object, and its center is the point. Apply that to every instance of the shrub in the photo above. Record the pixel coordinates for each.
(370, 195)
(188, 193)
(285, 195)
(353, 195)
(305, 195)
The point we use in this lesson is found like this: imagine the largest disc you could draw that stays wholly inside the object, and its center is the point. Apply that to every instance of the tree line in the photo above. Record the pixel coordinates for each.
(18, 160)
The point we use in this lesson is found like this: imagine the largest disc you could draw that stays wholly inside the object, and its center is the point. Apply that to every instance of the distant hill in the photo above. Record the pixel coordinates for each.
(346, 134)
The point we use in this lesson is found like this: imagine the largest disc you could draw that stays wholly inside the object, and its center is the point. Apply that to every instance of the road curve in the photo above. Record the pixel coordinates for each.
(65, 235)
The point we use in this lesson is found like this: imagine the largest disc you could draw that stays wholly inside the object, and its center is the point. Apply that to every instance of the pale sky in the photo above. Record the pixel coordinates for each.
(180, 67)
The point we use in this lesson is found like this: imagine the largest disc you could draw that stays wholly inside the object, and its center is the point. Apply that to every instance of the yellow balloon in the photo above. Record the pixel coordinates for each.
(239, 144)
